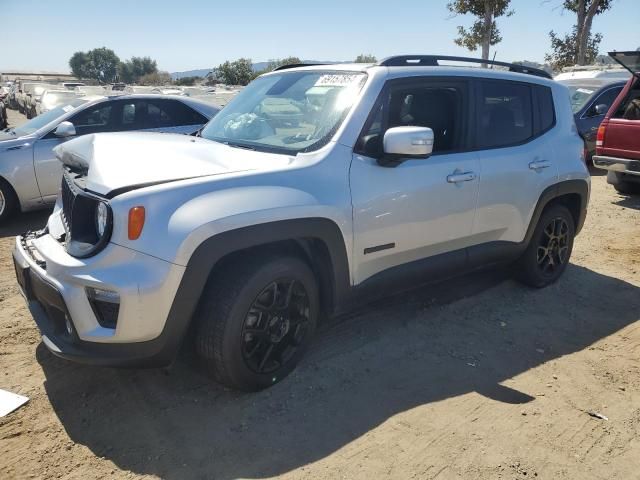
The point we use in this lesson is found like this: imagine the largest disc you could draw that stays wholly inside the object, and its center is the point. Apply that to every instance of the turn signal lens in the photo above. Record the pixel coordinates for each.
(136, 222)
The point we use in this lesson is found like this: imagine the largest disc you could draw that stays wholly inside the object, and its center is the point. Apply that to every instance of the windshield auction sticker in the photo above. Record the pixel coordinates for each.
(337, 80)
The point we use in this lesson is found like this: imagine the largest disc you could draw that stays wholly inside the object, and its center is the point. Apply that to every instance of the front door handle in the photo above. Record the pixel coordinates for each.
(539, 164)
(461, 177)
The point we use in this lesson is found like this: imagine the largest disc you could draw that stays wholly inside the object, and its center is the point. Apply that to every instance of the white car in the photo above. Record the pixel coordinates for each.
(382, 177)
(51, 99)
(29, 171)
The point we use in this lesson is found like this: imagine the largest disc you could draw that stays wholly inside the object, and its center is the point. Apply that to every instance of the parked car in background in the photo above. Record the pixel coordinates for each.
(618, 140)
(84, 90)
(4, 94)
(71, 85)
(33, 92)
(590, 101)
(30, 173)
(612, 72)
(167, 91)
(395, 175)
(11, 98)
(139, 89)
(51, 99)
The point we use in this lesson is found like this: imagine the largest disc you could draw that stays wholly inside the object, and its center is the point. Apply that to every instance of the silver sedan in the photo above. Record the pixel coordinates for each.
(29, 171)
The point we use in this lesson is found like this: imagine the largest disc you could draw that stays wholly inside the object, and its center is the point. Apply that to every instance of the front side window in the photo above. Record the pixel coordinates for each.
(425, 104)
(40, 121)
(505, 114)
(94, 119)
(287, 112)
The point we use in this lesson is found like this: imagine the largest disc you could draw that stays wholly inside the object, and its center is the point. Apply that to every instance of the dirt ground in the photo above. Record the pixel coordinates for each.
(478, 378)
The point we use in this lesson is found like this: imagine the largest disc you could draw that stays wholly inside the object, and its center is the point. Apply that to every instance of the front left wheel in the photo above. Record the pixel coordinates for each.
(256, 320)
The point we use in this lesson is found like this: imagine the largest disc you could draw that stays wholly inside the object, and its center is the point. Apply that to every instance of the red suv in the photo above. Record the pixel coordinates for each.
(618, 140)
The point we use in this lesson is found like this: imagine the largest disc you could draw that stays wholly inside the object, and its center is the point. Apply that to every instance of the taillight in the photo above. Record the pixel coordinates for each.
(600, 137)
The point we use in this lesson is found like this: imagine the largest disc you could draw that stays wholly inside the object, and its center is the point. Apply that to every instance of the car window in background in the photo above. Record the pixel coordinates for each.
(629, 109)
(580, 96)
(606, 98)
(94, 119)
(505, 114)
(40, 121)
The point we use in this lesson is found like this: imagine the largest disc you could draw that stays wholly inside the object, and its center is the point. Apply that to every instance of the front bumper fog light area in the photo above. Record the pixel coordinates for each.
(105, 305)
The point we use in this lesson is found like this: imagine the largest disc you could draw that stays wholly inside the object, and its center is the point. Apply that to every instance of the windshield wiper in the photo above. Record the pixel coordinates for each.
(239, 145)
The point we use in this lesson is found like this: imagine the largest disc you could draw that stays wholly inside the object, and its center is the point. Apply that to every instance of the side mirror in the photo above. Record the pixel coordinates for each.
(65, 129)
(600, 109)
(402, 143)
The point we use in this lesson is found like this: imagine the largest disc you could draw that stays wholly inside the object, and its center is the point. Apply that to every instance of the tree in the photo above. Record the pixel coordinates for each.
(280, 62)
(187, 81)
(484, 32)
(155, 78)
(366, 58)
(131, 70)
(565, 50)
(579, 47)
(238, 72)
(99, 64)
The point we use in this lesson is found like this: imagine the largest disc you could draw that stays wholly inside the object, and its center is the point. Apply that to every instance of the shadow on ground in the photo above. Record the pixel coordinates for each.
(404, 352)
(629, 201)
(22, 222)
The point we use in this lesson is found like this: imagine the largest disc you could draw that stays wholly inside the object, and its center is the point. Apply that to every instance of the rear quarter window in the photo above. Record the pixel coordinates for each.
(629, 108)
(546, 109)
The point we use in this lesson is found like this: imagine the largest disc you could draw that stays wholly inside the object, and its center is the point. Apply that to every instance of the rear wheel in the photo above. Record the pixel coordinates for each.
(256, 321)
(549, 250)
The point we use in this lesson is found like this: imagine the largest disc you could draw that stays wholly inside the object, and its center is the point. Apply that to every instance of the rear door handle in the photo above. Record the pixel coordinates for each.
(461, 177)
(539, 164)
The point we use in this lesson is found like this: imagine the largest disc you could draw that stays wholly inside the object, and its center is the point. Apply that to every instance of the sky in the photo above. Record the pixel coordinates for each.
(192, 34)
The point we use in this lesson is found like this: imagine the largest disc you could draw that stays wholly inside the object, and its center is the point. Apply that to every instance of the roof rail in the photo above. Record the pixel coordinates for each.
(296, 65)
(432, 61)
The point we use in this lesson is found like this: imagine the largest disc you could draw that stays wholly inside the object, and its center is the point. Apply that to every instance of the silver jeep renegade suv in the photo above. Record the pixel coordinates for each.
(315, 188)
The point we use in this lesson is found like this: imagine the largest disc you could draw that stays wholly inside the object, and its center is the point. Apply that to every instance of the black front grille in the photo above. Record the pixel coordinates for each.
(68, 198)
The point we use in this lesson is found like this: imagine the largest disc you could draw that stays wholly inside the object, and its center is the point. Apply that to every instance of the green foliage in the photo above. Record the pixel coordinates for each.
(366, 58)
(187, 81)
(484, 32)
(279, 62)
(131, 70)
(155, 78)
(602, 5)
(238, 72)
(580, 47)
(99, 64)
(565, 49)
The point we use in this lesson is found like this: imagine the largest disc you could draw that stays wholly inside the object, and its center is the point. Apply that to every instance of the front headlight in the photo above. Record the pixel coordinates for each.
(102, 218)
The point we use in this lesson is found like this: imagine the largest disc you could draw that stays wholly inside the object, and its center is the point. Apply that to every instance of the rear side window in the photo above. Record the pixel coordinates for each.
(505, 114)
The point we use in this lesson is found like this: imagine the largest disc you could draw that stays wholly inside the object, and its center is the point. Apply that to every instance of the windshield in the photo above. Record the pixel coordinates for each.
(580, 96)
(40, 121)
(289, 112)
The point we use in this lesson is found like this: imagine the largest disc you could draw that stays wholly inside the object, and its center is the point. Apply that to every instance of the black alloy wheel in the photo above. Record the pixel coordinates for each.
(275, 326)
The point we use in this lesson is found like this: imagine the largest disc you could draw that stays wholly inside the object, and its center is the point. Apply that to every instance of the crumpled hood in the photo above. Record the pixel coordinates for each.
(116, 161)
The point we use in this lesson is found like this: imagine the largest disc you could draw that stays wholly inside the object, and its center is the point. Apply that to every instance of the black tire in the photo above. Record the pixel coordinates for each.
(8, 201)
(549, 250)
(237, 339)
(627, 188)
